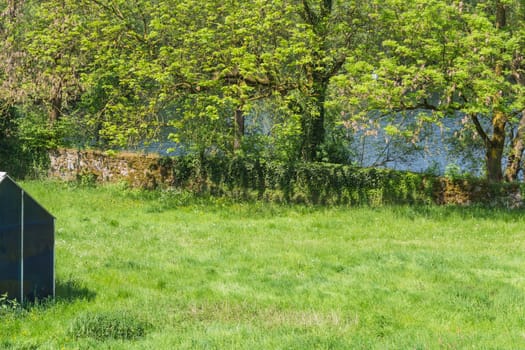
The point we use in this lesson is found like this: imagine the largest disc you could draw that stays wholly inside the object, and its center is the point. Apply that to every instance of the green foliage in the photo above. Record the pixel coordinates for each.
(337, 148)
(114, 324)
(271, 79)
(86, 179)
(8, 304)
(316, 183)
(309, 183)
(460, 59)
(24, 143)
(454, 172)
(9, 145)
(120, 72)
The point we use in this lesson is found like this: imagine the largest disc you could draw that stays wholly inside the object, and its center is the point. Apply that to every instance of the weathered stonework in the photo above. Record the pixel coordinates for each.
(138, 170)
(469, 192)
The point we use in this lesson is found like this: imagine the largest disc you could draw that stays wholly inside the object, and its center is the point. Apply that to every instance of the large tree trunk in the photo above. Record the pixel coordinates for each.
(55, 110)
(495, 147)
(501, 15)
(55, 102)
(516, 152)
(313, 122)
(239, 129)
(318, 127)
(493, 163)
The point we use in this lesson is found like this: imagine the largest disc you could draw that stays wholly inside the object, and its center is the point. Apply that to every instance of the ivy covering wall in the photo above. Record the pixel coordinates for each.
(254, 179)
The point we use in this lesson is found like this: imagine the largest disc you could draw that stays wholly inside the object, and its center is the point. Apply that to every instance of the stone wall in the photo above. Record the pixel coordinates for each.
(469, 192)
(139, 170)
(152, 171)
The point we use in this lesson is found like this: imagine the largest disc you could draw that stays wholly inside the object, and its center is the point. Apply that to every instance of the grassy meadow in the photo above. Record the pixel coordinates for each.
(157, 270)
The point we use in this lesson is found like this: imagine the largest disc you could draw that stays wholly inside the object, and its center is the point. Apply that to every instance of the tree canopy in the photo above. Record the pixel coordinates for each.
(452, 58)
(288, 79)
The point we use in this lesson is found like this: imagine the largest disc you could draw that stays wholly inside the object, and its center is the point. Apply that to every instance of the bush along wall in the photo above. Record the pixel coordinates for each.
(256, 179)
(23, 148)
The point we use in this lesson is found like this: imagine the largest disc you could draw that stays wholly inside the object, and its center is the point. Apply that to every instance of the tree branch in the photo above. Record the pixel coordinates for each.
(235, 77)
(479, 129)
(326, 8)
(338, 64)
(309, 15)
(423, 104)
(112, 9)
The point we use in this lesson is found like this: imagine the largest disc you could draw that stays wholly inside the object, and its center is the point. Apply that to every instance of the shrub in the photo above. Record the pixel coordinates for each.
(25, 139)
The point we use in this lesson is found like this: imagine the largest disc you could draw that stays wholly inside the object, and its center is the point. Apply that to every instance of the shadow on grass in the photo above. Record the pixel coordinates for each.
(71, 289)
(65, 291)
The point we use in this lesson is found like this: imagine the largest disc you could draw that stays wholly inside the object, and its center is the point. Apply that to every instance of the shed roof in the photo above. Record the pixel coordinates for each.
(3, 176)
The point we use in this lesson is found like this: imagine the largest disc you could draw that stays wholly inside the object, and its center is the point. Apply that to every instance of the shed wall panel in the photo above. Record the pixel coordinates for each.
(10, 238)
(38, 250)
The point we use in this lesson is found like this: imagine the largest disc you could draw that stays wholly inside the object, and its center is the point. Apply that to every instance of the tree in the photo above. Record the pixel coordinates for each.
(217, 65)
(229, 56)
(330, 32)
(119, 102)
(454, 58)
(49, 59)
(122, 70)
(10, 13)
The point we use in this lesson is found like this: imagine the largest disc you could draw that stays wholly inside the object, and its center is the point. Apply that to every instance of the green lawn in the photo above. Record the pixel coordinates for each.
(164, 271)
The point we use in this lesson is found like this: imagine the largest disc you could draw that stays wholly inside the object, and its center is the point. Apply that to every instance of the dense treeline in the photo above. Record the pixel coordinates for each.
(283, 79)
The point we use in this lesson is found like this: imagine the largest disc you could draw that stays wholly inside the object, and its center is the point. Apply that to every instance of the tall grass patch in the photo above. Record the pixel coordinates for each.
(114, 324)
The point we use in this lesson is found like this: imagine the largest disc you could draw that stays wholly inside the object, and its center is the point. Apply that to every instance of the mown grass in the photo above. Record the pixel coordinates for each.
(167, 271)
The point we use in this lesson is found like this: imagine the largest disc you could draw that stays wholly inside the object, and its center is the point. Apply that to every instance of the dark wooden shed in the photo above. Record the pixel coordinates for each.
(27, 242)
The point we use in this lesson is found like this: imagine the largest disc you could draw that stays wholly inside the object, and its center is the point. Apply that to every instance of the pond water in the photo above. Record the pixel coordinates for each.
(434, 153)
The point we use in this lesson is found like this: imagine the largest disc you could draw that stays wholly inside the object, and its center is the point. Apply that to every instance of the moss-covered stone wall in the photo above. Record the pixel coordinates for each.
(303, 183)
(476, 191)
(138, 170)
